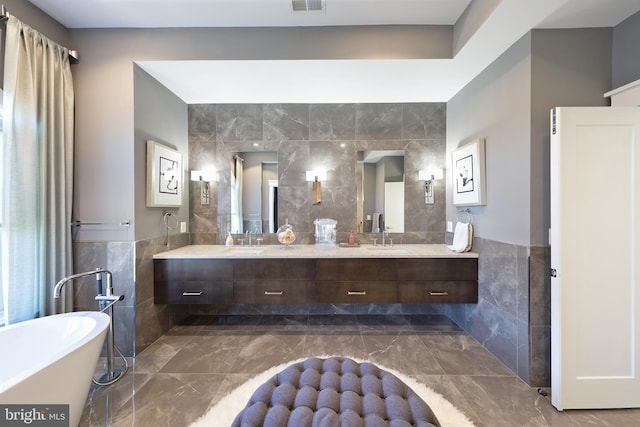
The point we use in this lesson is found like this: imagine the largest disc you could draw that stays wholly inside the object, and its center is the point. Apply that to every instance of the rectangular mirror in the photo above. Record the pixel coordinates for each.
(380, 191)
(254, 192)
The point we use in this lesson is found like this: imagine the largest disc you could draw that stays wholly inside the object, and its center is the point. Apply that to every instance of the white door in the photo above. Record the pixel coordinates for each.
(595, 252)
(394, 206)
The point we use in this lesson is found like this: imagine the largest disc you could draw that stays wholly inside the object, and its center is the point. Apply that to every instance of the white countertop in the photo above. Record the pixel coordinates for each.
(313, 251)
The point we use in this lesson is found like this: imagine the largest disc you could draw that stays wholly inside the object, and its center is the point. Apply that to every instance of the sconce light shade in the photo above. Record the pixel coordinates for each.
(430, 174)
(204, 175)
(319, 175)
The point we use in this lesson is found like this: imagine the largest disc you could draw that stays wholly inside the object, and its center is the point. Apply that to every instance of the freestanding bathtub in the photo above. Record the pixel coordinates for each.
(50, 360)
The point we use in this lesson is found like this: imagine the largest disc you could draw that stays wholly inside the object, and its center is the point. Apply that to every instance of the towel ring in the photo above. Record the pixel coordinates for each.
(165, 219)
(468, 217)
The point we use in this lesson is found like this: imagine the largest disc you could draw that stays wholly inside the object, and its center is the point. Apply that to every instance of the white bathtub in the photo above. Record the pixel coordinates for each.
(51, 360)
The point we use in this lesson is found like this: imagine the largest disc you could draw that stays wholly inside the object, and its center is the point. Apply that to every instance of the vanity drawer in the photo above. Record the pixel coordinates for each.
(193, 292)
(356, 292)
(274, 269)
(438, 291)
(271, 292)
(356, 269)
(438, 269)
(192, 269)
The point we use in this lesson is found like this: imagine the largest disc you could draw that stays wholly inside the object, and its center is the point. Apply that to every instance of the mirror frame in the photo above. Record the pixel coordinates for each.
(374, 157)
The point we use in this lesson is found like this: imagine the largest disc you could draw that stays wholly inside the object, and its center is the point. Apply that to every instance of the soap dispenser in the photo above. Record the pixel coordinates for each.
(352, 238)
(229, 241)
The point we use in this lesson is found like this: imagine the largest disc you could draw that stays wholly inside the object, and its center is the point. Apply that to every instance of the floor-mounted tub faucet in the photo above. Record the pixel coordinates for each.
(57, 291)
(105, 302)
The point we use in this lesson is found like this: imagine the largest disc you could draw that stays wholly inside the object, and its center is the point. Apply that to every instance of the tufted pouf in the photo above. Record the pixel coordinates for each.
(333, 392)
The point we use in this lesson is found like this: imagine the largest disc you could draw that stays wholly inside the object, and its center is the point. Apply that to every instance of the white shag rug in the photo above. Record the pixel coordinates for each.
(224, 412)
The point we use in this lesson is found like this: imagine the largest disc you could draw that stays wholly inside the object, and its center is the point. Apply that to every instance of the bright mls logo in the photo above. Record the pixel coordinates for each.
(34, 415)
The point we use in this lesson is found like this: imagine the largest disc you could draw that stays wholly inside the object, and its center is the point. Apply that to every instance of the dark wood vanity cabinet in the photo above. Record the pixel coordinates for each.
(193, 281)
(273, 281)
(322, 280)
(356, 280)
(356, 292)
(397, 280)
(438, 280)
(356, 269)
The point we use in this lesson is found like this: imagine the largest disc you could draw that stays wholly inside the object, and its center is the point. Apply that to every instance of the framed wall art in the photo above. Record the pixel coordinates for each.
(164, 176)
(469, 186)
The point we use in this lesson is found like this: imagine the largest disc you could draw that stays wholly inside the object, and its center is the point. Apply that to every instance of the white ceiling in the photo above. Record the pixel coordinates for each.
(334, 80)
(247, 13)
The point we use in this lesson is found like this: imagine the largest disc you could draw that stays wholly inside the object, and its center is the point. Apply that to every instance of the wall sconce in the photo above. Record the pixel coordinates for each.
(205, 177)
(317, 177)
(428, 176)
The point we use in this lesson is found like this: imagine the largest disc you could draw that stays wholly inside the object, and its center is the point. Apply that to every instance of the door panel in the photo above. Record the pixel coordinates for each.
(595, 229)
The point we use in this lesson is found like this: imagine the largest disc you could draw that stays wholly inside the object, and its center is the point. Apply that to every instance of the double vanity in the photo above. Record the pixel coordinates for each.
(307, 274)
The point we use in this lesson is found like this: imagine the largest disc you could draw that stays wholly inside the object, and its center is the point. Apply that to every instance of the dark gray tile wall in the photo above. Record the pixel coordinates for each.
(318, 309)
(307, 136)
(540, 317)
(137, 320)
(310, 135)
(116, 257)
(512, 317)
(152, 320)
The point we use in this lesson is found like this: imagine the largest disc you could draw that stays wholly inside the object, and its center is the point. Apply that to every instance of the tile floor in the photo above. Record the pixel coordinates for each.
(178, 377)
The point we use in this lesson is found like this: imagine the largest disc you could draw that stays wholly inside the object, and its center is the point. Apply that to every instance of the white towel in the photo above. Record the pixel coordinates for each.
(375, 223)
(462, 237)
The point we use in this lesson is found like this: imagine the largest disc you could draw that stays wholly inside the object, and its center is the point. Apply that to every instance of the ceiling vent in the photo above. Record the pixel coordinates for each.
(307, 5)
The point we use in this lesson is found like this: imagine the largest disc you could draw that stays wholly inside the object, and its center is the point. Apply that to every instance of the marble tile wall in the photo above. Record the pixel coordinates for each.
(512, 317)
(317, 309)
(540, 316)
(137, 320)
(116, 257)
(152, 320)
(307, 136)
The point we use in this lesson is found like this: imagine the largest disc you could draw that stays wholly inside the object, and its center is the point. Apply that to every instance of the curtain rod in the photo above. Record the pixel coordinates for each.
(74, 58)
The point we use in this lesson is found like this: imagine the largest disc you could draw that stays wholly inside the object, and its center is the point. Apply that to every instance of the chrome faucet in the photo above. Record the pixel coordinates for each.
(57, 291)
(100, 297)
(248, 237)
(105, 301)
(384, 232)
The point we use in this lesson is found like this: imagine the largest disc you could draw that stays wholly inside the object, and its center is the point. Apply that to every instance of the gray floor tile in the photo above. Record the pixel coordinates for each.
(208, 355)
(194, 365)
(170, 400)
(348, 345)
(261, 352)
(462, 355)
(405, 353)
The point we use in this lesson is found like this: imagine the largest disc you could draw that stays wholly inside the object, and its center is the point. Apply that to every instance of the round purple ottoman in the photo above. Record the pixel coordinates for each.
(335, 392)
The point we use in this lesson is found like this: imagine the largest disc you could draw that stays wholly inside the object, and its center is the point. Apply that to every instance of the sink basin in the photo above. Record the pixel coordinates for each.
(248, 250)
(389, 250)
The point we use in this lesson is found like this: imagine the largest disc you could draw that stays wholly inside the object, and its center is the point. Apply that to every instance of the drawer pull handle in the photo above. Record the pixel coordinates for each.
(438, 294)
(356, 292)
(192, 294)
(274, 292)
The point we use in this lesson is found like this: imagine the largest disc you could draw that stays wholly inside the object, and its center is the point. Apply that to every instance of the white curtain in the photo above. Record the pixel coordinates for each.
(37, 172)
(236, 196)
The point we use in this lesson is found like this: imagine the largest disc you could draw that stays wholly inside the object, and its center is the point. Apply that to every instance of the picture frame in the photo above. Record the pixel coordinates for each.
(468, 173)
(164, 176)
